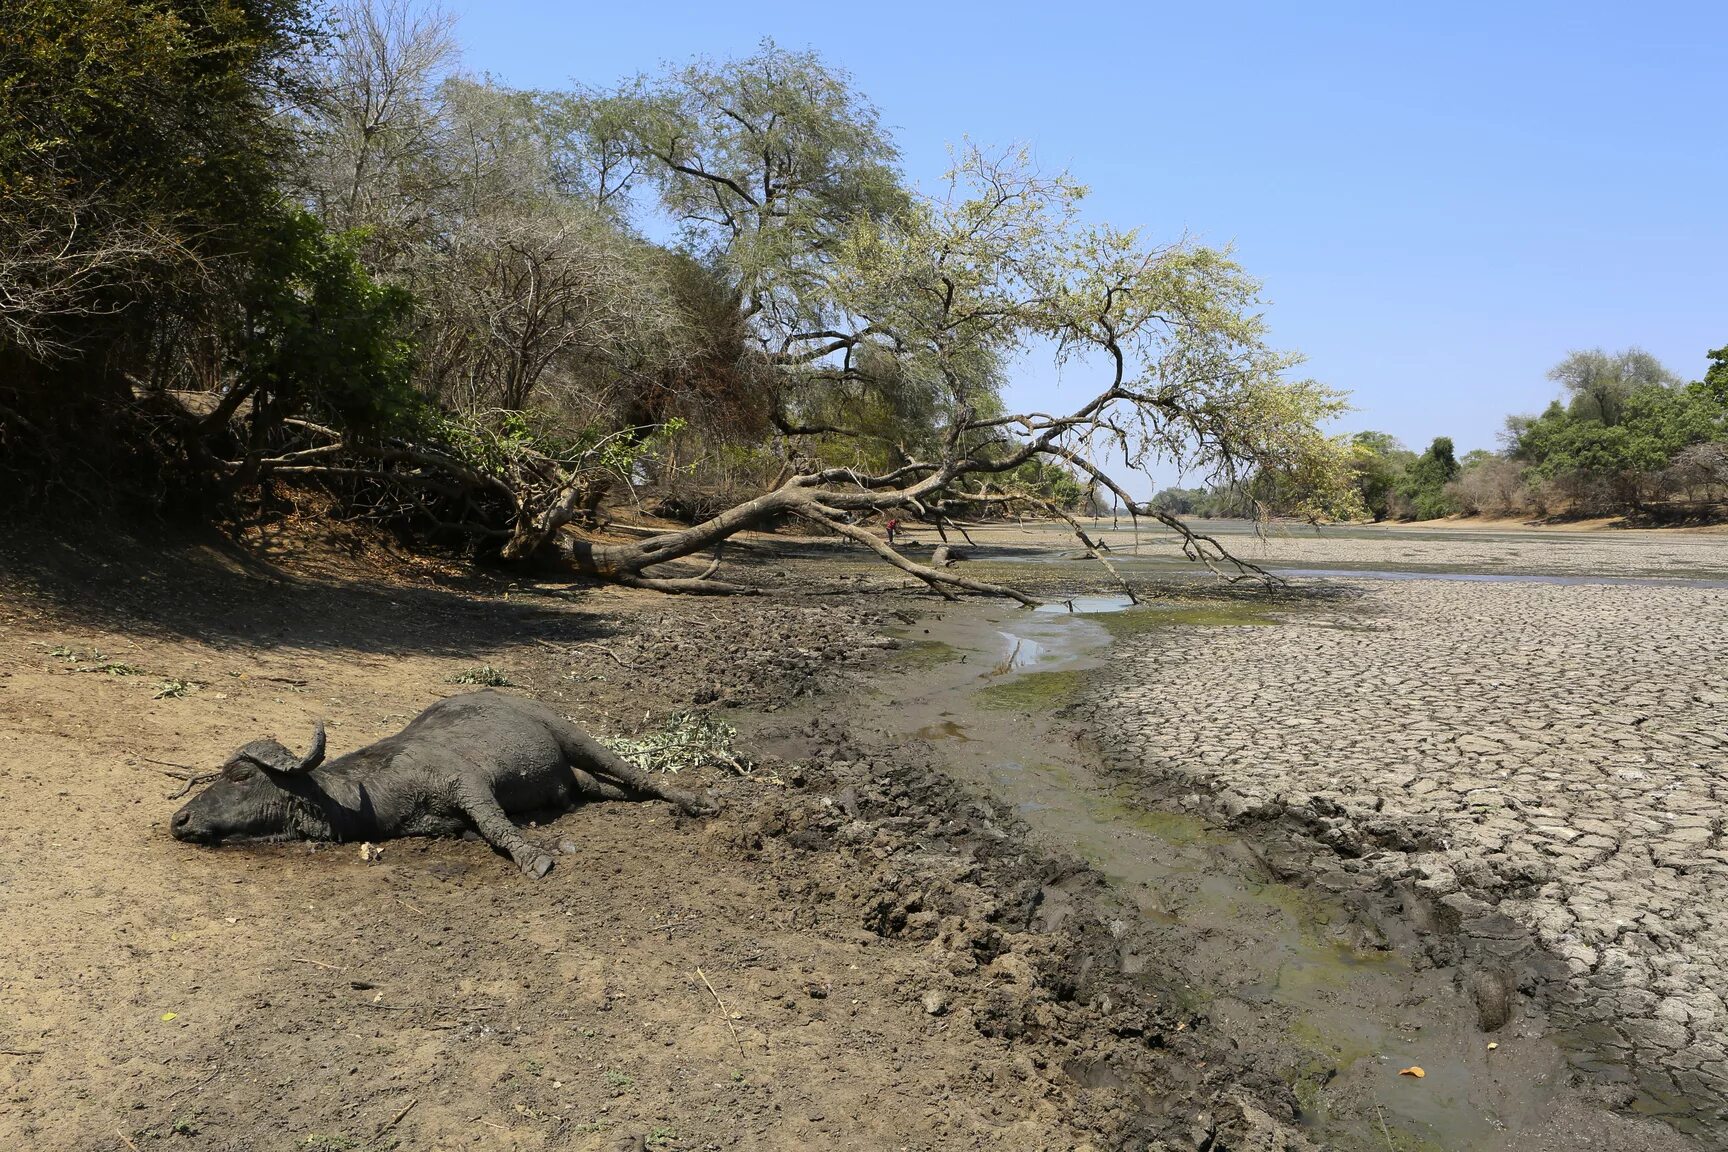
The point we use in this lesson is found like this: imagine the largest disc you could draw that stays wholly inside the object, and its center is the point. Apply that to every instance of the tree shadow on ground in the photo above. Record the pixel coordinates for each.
(207, 588)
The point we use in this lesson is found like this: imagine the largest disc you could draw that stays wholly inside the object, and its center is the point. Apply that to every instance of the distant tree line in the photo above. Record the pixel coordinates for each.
(1625, 436)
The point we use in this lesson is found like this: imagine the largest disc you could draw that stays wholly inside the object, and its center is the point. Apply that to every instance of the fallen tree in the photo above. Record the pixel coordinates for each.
(947, 292)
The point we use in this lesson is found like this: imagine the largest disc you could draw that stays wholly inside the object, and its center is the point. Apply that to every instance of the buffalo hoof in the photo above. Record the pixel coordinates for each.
(538, 866)
(703, 805)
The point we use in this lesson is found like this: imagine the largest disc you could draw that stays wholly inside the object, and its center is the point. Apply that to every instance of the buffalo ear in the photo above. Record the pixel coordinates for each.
(273, 756)
(267, 753)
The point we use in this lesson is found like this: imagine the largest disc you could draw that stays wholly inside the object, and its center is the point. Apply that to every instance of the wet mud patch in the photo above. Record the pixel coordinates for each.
(1152, 617)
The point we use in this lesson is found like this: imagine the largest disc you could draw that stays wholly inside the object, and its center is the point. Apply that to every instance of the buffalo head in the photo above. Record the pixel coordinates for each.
(252, 798)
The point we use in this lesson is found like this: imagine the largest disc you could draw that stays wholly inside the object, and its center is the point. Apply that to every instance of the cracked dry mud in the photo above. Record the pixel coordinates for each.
(1539, 772)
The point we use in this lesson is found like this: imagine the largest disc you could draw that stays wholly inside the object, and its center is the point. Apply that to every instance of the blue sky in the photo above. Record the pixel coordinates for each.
(1442, 199)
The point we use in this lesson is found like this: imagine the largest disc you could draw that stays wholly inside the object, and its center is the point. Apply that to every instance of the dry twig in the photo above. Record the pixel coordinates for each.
(396, 1119)
(317, 963)
(724, 1015)
(1383, 1130)
(615, 658)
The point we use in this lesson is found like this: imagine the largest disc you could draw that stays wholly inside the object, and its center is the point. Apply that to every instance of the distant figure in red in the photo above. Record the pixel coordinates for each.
(893, 527)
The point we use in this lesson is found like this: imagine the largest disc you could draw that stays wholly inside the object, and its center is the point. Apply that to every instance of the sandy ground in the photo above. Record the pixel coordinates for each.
(1490, 548)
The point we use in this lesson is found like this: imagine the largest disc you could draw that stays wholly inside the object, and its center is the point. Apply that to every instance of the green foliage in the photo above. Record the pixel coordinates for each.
(1715, 381)
(761, 158)
(172, 689)
(684, 741)
(1601, 384)
(1379, 463)
(1180, 501)
(1628, 420)
(136, 137)
(484, 676)
(322, 335)
(1046, 481)
(1425, 479)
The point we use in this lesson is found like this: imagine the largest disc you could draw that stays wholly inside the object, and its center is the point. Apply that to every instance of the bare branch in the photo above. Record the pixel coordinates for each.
(938, 580)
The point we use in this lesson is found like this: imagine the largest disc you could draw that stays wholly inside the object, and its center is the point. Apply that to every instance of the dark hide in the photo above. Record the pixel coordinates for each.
(468, 762)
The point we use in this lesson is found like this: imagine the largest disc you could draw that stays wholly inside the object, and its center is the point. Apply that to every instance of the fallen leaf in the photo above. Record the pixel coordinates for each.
(1412, 1071)
(170, 1016)
(1491, 1047)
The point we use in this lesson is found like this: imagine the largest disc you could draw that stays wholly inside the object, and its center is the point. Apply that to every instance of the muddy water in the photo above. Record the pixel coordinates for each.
(1275, 967)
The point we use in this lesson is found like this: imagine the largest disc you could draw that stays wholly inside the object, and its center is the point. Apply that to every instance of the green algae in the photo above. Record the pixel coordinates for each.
(926, 654)
(1179, 828)
(1150, 618)
(1034, 691)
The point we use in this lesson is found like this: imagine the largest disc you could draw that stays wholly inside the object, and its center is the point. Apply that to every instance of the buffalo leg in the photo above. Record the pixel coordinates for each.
(480, 806)
(603, 762)
(592, 788)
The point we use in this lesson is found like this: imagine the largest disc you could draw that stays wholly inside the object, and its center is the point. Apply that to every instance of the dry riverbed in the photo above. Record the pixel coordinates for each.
(1533, 773)
(958, 902)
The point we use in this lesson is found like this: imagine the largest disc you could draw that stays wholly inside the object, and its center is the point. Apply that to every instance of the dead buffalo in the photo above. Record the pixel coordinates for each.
(466, 763)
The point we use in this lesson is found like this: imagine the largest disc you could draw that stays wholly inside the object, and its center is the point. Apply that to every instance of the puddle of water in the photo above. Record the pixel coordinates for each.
(1022, 653)
(1044, 640)
(1086, 605)
(1067, 633)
